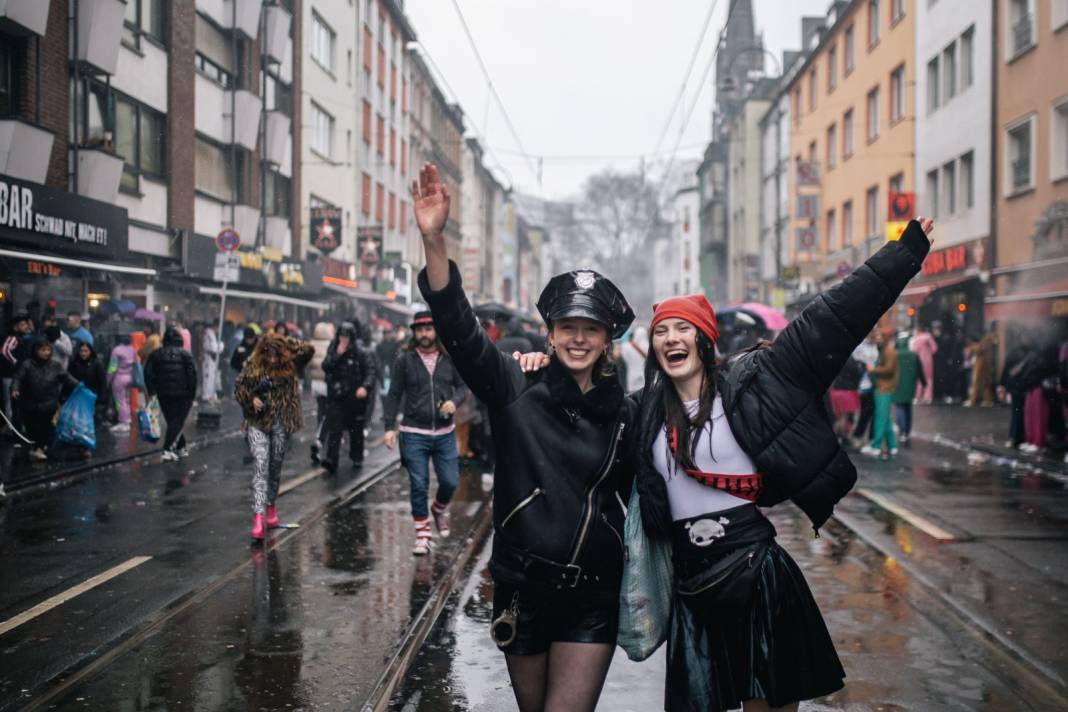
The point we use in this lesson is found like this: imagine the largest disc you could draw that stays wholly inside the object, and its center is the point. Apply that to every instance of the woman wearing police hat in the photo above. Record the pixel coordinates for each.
(560, 474)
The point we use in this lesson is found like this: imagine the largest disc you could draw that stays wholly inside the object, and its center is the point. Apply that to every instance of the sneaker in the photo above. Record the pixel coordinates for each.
(893, 451)
(903, 438)
(3, 494)
(120, 428)
(38, 454)
(441, 518)
(183, 452)
(168, 456)
(870, 451)
(1029, 447)
(423, 537)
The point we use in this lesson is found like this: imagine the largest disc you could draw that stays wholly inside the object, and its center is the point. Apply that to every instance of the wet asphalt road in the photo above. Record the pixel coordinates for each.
(971, 622)
(974, 620)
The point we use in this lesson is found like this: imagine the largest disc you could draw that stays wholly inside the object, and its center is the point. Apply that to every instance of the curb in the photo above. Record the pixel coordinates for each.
(998, 454)
(413, 638)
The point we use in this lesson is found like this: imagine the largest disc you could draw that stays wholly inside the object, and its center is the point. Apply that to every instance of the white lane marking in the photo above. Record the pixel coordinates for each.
(922, 523)
(61, 598)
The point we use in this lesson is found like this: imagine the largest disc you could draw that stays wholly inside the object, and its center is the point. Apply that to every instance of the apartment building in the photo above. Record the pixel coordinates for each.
(851, 136)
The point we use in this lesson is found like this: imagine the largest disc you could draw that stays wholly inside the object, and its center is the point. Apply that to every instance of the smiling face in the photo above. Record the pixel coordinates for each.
(578, 342)
(674, 342)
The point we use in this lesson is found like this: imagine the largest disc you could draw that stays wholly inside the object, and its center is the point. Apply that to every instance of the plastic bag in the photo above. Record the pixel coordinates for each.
(646, 594)
(74, 424)
(148, 421)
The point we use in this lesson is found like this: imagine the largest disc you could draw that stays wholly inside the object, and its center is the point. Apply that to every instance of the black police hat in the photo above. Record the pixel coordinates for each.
(588, 295)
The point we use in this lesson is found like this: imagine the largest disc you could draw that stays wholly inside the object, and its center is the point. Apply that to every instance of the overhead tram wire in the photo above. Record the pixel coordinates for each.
(493, 91)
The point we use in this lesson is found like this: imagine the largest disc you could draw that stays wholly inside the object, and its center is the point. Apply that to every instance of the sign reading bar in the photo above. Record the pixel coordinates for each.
(45, 218)
(326, 228)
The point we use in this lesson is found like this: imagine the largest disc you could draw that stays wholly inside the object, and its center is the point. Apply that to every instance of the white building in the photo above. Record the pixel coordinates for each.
(954, 42)
(482, 197)
(743, 197)
(686, 235)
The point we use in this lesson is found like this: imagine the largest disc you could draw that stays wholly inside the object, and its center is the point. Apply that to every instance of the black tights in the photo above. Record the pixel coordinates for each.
(567, 678)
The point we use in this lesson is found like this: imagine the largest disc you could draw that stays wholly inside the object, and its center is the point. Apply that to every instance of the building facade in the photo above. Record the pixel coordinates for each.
(743, 195)
(481, 199)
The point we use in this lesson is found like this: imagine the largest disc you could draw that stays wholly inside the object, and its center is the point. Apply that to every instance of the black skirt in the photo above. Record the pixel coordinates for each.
(773, 646)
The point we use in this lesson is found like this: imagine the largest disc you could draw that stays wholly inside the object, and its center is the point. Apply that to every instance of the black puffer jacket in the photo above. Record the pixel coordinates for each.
(171, 372)
(41, 385)
(561, 468)
(773, 397)
(352, 370)
(91, 372)
(423, 396)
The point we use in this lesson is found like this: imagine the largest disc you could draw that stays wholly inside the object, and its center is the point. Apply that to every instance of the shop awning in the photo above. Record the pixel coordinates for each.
(265, 296)
(398, 308)
(84, 264)
(356, 293)
(1046, 301)
(915, 295)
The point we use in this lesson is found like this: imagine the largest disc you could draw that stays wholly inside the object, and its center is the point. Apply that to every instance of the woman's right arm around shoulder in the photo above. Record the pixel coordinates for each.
(494, 378)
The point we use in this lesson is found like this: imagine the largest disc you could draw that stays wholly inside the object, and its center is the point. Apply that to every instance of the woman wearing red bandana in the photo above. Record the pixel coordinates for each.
(718, 440)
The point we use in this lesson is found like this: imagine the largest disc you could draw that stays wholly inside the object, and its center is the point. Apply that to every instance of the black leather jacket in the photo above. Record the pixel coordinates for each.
(562, 473)
(347, 373)
(422, 395)
(773, 397)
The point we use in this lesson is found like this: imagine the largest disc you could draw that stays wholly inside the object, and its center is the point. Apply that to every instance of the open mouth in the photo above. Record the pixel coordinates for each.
(578, 354)
(676, 356)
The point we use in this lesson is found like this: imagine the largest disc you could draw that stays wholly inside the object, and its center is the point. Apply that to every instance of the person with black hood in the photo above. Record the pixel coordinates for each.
(40, 385)
(87, 367)
(243, 350)
(557, 556)
(350, 378)
(171, 376)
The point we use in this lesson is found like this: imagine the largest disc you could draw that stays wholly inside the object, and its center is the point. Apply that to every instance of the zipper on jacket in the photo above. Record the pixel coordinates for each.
(538, 491)
(433, 401)
(720, 579)
(604, 518)
(587, 513)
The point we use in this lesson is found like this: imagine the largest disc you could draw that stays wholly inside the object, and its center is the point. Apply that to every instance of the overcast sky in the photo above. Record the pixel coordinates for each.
(588, 84)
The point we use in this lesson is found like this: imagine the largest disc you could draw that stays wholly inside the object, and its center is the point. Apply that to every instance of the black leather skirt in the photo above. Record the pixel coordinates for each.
(744, 625)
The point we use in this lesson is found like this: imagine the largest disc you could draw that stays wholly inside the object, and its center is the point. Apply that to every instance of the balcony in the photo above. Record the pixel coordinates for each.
(246, 220)
(276, 41)
(24, 150)
(277, 235)
(1023, 33)
(277, 143)
(100, 33)
(20, 17)
(99, 173)
(247, 107)
(243, 16)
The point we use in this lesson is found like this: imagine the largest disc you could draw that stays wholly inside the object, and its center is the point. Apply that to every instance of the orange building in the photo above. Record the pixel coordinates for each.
(851, 137)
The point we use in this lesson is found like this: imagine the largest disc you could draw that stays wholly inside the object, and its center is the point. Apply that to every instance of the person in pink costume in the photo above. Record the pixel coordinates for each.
(924, 346)
(120, 378)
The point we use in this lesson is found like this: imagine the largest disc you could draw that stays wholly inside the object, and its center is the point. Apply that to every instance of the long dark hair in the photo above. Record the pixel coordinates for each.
(676, 419)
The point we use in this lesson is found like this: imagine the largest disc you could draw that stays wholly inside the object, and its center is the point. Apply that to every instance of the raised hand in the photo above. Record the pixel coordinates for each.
(928, 227)
(431, 201)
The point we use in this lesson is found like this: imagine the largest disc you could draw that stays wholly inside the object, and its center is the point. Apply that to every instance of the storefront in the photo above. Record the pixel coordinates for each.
(61, 252)
(951, 289)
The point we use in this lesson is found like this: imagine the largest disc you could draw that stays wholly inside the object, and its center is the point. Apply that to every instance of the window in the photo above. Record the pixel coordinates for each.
(832, 69)
(214, 55)
(873, 114)
(933, 90)
(278, 191)
(871, 203)
(367, 122)
(847, 223)
(214, 170)
(143, 18)
(897, 11)
(949, 188)
(322, 43)
(1058, 14)
(140, 134)
(897, 94)
(380, 135)
(392, 146)
(380, 200)
(365, 194)
(278, 96)
(832, 227)
(847, 134)
(967, 179)
(932, 193)
(392, 210)
(381, 74)
(348, 67)
(322, 131)
(1058, 145)
(812, 90)
(403, 157)
(403, 208)
(9, 77)
(896, 183)
(97, 115)
(404, 96)
(949, 72)
(967, 58)
(1019, 172)
(847, 56)
(873, 23)
(1021, 26)
(832, 146)
(797, 106)
(368, 48)
(812, 152)
(393, 83)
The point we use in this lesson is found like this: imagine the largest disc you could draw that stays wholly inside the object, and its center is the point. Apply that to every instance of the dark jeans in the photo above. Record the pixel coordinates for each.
(904, 418)
(862, 429)
(341, 417)
(416, 452)
(175, 411)
(38, 427)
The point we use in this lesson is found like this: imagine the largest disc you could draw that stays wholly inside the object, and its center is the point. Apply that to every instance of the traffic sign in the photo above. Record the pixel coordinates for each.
(227, 267)
(227, 240)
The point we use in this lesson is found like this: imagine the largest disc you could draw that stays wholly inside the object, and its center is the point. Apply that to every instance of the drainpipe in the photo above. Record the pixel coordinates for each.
(233, 114)
(261, 237)
(73, 168)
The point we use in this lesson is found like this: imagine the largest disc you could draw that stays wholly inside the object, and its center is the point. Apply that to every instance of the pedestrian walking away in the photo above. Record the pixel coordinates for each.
(426, 380)
(171, 376)
(561, 466)
(39, 386)
(909, 374)
(717, 440)
(350, 379)
(269, 395)
(925, 347)
(867, 352)
(885, 376)
(322, 335)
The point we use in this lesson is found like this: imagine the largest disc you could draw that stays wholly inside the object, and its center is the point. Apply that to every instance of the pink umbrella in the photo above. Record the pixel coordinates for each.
(773, 319)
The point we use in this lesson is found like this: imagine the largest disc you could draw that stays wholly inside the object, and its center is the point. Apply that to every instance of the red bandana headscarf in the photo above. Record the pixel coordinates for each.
(693, 308)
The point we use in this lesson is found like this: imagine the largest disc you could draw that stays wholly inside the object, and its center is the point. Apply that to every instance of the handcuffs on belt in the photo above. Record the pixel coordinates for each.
(503, 630)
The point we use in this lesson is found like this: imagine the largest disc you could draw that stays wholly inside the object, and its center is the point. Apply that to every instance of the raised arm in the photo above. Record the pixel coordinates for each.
(814, 347)
(494, 378)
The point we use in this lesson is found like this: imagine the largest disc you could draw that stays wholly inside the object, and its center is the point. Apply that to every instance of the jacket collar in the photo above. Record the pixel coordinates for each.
(601, 403)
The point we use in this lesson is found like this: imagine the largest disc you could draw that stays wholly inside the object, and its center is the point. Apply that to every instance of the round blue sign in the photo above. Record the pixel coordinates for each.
(227, 240)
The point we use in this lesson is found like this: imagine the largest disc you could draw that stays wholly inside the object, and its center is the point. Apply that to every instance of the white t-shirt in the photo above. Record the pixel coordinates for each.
(688, 497)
